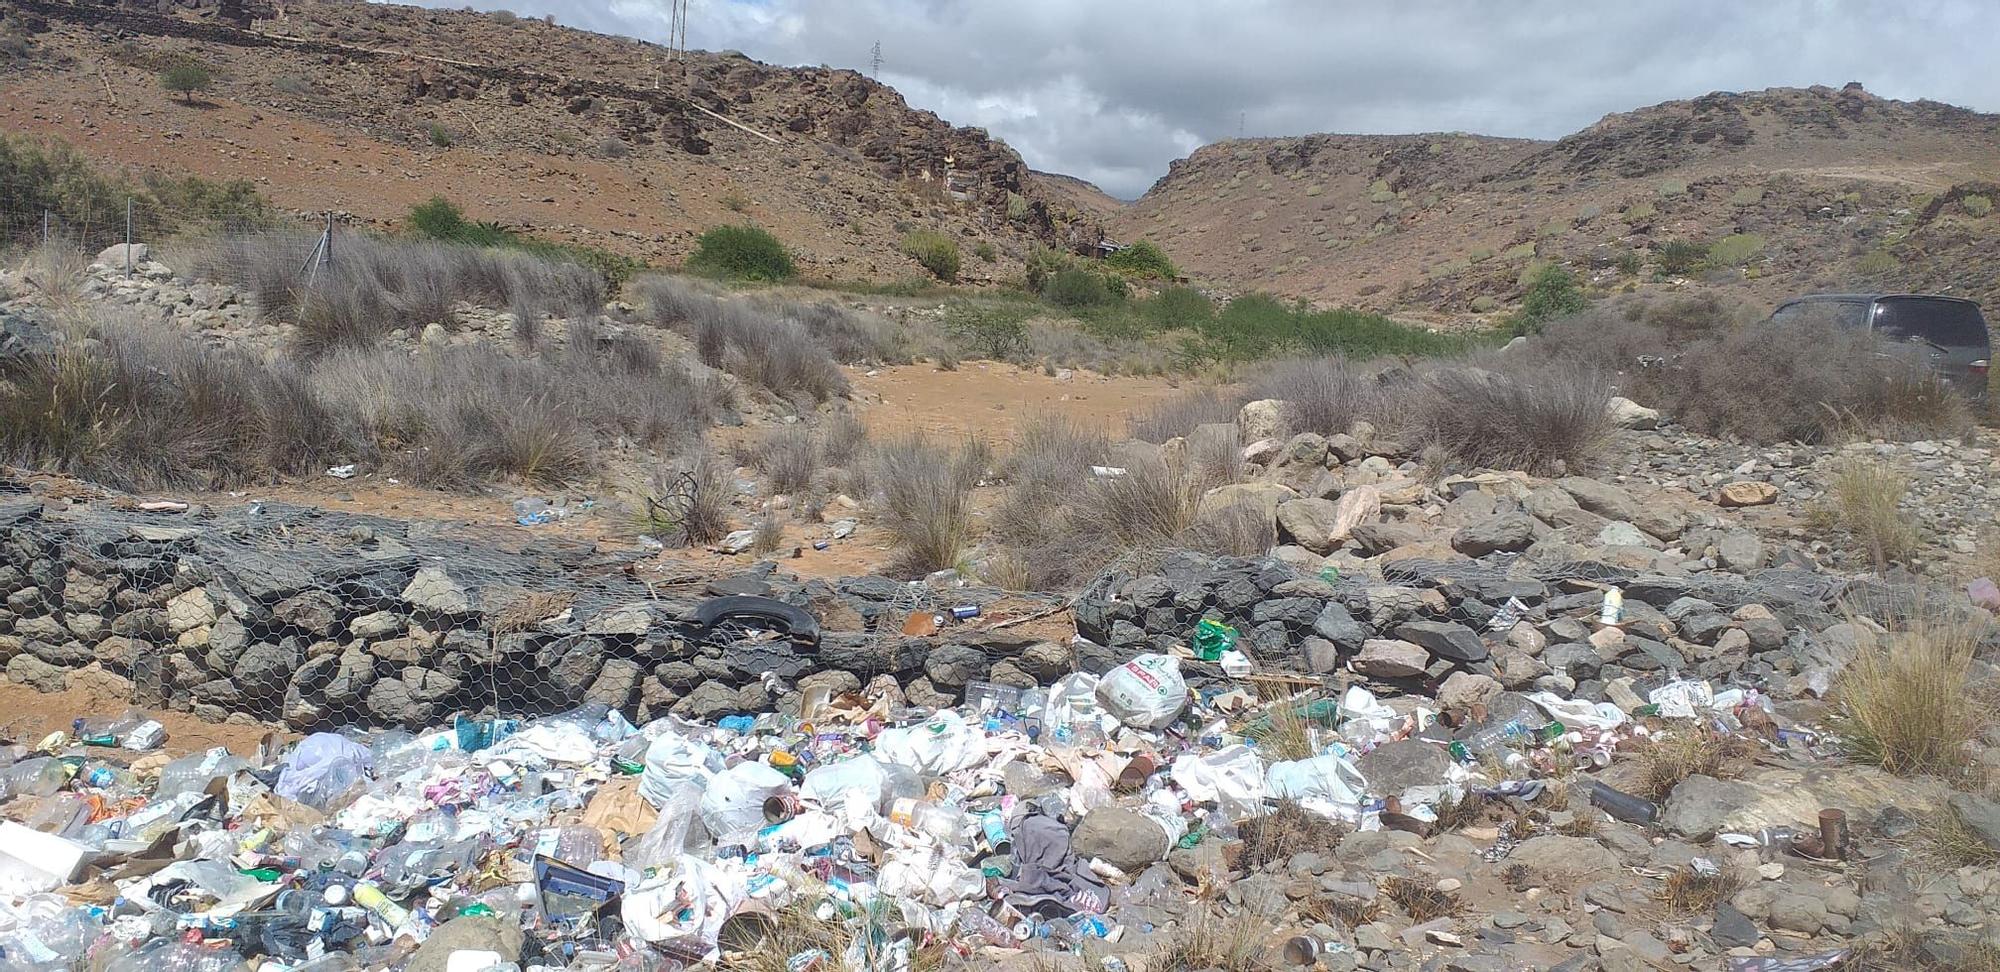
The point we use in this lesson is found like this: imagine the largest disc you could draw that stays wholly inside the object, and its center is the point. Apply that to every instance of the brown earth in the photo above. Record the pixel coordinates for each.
(1846, 191)
(367, 109)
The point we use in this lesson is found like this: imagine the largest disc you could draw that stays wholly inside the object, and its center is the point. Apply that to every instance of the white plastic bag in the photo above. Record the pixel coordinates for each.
(732, 805)
(1144, 693)
(1232, 778)
(1579, 714)
(1368, 720)
(938, 745)
(687, 906)
(1327, 785)
(852, 786)
(323, 767)
(673, 759)
(668, 839)
(1072, 701)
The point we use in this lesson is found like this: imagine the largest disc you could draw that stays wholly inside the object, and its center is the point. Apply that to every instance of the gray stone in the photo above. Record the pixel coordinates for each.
(267, 578)
(1740, 551)
(1309, 523)
(1046, 660)
(266, 667)
(1732, 929)
(953, 665)
(1506, 532)
(616, 682)
(1396, 766)
(314, 612)
(36, 674)
(1294, 612)
(1802, 913)
(712, 700)
(1261, 419)
(377, 624)
(1462, 690)
(1390, 658)
(350, 678)
(1698, 806)
(1628, 414)
(1602, 499)
(434, 590)
(1619, 533)
(836, 683)
(1126, 838)
(390, 701)
(1555, 860)
(1336, 625)
(1444, 639)
(1980, 816)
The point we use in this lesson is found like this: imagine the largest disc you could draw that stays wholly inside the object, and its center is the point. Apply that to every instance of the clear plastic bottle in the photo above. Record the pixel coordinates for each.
(193, 773)
(109, 730)
(39, 776)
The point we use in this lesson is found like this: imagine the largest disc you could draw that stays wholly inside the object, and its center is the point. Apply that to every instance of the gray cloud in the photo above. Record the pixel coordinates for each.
(1113, 90)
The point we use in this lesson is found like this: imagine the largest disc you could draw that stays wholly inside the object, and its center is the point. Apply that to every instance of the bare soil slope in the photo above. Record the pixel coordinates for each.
(368, 109)
(1837, 186)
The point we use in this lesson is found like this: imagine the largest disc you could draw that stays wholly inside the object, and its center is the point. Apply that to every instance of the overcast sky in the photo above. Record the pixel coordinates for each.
(1113, 90)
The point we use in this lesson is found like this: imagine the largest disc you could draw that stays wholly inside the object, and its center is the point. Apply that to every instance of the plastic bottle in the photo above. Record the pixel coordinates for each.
(1511, 734)
(108, 730)
(944, 823)
(1614, 606)
(193, 773)
(39, 776)
(371, 897)
(1623, 806)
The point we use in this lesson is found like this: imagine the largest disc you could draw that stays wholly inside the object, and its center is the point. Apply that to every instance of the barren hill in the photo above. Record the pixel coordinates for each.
(367, 109)
(1826, 187)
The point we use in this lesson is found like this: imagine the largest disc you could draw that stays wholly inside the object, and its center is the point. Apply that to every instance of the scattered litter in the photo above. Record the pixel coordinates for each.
(341, 472)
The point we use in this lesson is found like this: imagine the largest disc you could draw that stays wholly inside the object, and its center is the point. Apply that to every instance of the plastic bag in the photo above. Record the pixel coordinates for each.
(1579, 714)
(322, 768)
(1367, 719)
(732, 804)
(1144, 693)
(673, 760)
(863, 782)
(1232, 778)
(1072, 701)
(938, 745)
(686, 906)
(1327, 785)
(671, 833)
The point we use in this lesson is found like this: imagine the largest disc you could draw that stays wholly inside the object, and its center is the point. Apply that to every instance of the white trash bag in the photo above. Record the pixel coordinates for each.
(1327, 785)
(673, 760)
(732, 807)
(1144, 693)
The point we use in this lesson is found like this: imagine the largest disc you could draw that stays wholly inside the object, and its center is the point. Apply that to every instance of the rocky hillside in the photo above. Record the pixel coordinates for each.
(1822, 188)
(367, 109)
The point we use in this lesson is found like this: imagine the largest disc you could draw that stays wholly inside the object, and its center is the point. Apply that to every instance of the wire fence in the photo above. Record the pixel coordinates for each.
(89, 227)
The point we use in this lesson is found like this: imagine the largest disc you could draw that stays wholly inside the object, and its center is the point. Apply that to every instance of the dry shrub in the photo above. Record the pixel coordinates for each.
(1323, 395)
(841, 438)
(1948, 844)
(1421, 900)
(1341, 909)
(790, 456)
(1690, 892)
(770, 349)
(925, 498)
(1288, 829)
(1207, 942)
(1864, 499)
(373, 286)
(1922, 948)
(1536, 420)
(1459, 814)
(1285, 732)
(1909, 702)
(1696, 750)
(688, 504)
(1179, 415)
(55, 272)
(768, 535)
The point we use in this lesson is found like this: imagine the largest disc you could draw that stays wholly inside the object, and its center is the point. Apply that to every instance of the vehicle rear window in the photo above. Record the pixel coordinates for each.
(1840, 313)
(1949, 323)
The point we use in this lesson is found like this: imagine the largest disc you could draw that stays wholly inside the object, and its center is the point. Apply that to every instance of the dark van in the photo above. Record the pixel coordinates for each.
(1948, 334)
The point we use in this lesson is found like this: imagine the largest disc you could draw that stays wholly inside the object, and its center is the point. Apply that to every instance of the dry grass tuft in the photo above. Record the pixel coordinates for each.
(688, 504)
(1420, 899)
(520, 610)
(790, 456)
(1179, 415)
(1285, 732)
(1459, 815)
(1534, 420)
(1694, 750)
(1207, 942)
(1864, 500)
(1944, 841)
(1690, 892)
(1288, 829)
(924, 492)
(1323, 395)
(1343, 909)
(1908, 700)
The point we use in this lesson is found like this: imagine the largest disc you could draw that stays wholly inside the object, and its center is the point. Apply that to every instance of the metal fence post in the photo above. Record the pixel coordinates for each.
(326, 255)
(45, 227)
(128, 236)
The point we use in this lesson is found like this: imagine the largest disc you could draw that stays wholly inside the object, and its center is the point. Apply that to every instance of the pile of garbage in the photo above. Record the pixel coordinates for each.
(847, 831)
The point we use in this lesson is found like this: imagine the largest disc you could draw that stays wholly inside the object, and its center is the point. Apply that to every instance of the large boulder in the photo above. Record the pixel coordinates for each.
(1264, 498)
(1557, 861)
(1980, 817)
(1601, 498)
(1261, 419)
(1394, 767)
(1746, 493)
(1444, 639)
(1628, 414)
(434, 590)
(1494, 534)
(1390, 658)
(1125, 838)
(1309, 523)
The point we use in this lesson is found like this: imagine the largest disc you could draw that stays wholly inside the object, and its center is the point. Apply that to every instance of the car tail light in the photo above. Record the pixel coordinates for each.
(1977, 367)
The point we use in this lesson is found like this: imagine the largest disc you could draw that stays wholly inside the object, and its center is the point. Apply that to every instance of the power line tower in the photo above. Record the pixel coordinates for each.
(677, 33)
(875, 62)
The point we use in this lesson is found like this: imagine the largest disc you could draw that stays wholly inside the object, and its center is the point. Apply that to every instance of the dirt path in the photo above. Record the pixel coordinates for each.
(993, 400)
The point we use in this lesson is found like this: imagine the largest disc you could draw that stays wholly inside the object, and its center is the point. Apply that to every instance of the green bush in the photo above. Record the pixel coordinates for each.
(52, 177)
(1681, 257)
(1259, 326)
(995, 331)
(1043, 263)
(985, 251)
(440, 136)
(1735, 250)
(1176, 308)
(1075, 288)
(1551, 294)
(186, 78)
(748, 252)
(1630, 263)
(1143, 259)
(1976, 205)
(1878, 263)
(935, 251)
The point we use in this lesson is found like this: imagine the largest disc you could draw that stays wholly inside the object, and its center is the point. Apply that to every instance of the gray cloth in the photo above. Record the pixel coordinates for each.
(1049, 880)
